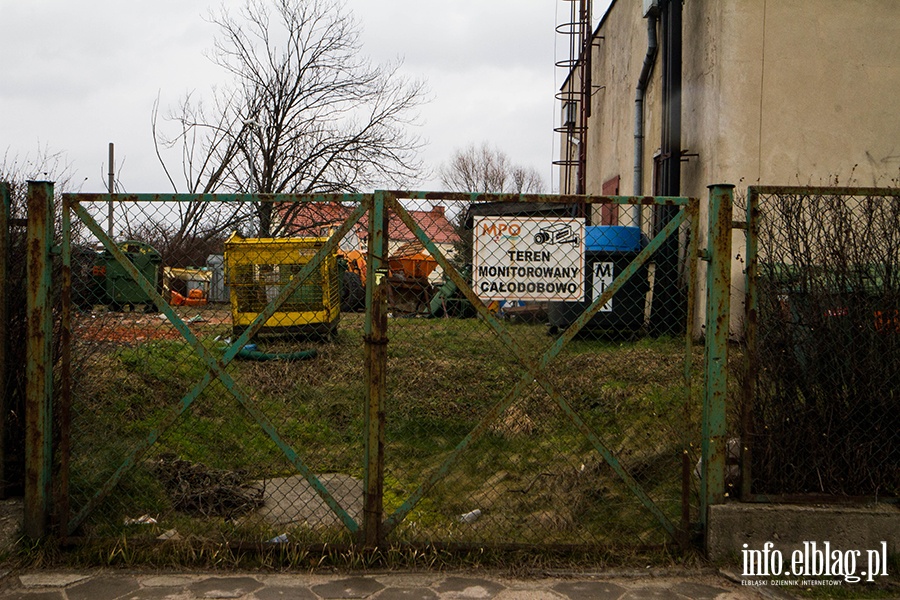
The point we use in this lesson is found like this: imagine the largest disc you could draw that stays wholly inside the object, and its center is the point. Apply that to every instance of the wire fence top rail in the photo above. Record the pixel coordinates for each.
(822, 190)
(400, 194)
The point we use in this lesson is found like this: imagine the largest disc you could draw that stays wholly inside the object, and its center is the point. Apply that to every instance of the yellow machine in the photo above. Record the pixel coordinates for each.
(258, 268)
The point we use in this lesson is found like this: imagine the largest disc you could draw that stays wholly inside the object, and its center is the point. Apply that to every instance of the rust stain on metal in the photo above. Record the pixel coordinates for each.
(39, 360)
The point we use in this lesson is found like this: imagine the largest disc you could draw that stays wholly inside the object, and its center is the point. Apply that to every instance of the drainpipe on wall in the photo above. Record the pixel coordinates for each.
(643, 82)
(668, 297)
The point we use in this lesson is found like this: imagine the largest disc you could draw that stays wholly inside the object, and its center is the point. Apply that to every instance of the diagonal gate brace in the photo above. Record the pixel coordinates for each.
(534, 372)
(216, 370)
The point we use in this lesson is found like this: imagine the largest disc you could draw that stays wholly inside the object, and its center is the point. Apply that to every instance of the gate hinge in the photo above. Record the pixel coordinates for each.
(704, 254)
(740, 225)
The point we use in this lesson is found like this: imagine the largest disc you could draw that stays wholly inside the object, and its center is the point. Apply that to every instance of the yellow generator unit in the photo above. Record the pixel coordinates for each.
(257, 270)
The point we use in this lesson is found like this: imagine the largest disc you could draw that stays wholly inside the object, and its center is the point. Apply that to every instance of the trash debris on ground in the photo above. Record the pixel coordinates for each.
(470, 517)
(171, 534)
(142, 520)
(197, 489)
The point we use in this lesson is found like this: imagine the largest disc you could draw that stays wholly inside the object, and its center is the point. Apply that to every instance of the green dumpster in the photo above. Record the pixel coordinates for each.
(117, 287)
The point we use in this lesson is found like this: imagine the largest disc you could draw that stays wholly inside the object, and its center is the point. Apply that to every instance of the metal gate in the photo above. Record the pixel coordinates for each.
(435, 416)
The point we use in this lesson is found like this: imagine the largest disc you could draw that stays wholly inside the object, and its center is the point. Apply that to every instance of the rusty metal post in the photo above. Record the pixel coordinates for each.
(39, 359)
(718, 315)
(376, 368)
(64, 408)
(5, 201)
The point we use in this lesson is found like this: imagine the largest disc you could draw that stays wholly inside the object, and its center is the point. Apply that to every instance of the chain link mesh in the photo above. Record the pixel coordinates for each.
(13, 383)
(484, 442)
(502, 449)
(231, 455)
(824, 417)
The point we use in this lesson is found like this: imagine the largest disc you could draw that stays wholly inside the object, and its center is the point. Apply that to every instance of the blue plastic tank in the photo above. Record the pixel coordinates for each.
(609, 249)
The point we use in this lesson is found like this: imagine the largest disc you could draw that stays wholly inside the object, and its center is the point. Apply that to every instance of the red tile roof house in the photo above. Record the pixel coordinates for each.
(322, 218)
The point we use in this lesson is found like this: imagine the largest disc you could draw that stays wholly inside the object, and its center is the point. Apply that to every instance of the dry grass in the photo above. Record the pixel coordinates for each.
(533, 475)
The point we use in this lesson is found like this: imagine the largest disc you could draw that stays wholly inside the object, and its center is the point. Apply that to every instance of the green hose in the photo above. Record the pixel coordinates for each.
(258, 356)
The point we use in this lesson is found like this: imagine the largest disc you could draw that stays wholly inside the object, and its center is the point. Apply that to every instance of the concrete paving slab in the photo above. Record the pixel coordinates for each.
(351, 587)
(284, 592)
(50, 579)
(171, 580)
(528, 595)
(225, 587)
(382, 585)
(292, 501)
(650, 593)
(411, 580)
(465, 587)
(300, 579)
(408, 593)
(589, 590)
(697, 591)
(160, 593)
(32, 595)
(107, 587)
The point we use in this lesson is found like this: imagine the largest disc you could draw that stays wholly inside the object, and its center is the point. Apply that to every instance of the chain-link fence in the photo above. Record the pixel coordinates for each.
(497, 431)
(217, 422)
(537, 388)
(12, 338)
(820, 398)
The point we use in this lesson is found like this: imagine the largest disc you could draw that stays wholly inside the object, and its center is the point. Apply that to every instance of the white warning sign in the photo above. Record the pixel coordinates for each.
(528, 258)
(603, 278)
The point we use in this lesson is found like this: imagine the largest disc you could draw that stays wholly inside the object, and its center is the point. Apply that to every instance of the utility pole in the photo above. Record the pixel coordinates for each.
(111, 188)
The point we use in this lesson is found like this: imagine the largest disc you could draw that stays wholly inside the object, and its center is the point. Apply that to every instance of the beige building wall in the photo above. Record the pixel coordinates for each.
(775, 92)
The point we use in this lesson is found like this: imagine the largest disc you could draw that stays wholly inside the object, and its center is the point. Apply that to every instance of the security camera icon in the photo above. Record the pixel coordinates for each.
(556, 235)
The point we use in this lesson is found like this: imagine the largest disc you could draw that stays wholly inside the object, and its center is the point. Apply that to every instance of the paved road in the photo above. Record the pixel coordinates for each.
(144, 585)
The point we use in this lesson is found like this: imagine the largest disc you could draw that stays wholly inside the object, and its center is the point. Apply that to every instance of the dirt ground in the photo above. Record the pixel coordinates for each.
(11, 514)
(138, 327)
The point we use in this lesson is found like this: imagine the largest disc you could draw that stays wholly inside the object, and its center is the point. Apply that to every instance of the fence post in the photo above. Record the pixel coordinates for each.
(39, 359)
(5, 201)
(375, 364)
(718, 316)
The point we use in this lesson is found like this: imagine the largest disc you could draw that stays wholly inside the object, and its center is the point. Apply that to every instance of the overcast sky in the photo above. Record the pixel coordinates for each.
(77, 75)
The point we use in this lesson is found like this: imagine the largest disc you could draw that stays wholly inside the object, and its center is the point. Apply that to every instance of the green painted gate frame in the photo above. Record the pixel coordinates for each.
(215, 369)
(536, 372)
(379, 204)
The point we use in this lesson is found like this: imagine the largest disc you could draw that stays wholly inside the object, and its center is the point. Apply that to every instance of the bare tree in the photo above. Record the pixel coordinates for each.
(483, 169)
(488, 170)
(44, 165)
(304, 112)
(527, 180)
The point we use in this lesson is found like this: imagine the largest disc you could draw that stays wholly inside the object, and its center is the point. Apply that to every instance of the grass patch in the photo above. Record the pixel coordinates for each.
(532, 473)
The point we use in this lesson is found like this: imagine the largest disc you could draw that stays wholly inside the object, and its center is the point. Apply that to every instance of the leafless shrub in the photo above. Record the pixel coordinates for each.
(825, 419)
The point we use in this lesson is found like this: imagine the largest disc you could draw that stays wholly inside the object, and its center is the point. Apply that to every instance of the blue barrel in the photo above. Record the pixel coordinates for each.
(609, 249)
